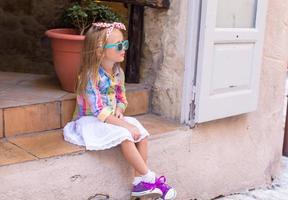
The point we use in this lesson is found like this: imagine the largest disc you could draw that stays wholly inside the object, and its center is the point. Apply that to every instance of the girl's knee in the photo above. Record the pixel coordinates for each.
(144, 140)
(125, 142)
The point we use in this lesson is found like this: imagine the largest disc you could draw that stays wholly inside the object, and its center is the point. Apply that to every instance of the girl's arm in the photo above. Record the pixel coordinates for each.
(119, 122)
(121, 92)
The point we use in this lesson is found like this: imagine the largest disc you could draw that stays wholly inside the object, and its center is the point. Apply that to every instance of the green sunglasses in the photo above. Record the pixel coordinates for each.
(119, 46)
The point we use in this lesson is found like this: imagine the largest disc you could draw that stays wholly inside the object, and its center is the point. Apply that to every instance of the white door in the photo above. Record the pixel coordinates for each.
(229, 58)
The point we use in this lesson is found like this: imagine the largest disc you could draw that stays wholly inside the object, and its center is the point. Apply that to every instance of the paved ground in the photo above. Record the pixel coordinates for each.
(277, 191)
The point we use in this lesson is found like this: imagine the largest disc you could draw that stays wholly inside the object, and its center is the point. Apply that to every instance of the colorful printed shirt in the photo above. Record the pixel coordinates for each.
(102, 97)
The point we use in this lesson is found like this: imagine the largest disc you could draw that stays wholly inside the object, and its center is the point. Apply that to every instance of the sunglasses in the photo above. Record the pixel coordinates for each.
(119, 46)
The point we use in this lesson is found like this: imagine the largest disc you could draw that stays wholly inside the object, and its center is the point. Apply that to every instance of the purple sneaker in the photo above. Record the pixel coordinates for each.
(169, 193)
(146, 189)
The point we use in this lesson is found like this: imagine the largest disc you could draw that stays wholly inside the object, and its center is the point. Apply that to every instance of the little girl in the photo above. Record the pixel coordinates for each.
(98, 122)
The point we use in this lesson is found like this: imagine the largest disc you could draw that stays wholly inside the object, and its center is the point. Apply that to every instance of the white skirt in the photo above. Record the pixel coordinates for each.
(94, 134)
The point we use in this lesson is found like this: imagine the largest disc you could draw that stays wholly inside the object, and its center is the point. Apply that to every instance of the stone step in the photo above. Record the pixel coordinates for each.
(32, 103)
(43, 166)
(45, 144)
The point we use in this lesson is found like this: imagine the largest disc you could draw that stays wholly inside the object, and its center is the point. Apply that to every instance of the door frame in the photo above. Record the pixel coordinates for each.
(285, 139)
(194, 9)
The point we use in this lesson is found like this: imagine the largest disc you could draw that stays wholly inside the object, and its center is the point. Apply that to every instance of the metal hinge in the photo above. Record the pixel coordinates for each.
(192, 108)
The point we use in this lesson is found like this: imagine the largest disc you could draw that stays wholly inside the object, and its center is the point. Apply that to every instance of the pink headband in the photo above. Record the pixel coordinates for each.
(110, 26)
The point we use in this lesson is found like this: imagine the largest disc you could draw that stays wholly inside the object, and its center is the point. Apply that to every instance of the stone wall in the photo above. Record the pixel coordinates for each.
(24, 47)
(162, 63)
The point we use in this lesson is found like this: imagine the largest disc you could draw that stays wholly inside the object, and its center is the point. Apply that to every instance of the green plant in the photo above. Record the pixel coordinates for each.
(82, 14)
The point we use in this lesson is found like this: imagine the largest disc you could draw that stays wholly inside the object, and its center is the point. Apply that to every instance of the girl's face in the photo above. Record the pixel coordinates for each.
(112, 54)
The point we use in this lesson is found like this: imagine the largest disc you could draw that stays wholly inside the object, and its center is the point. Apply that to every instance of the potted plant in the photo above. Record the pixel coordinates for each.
(67, 43)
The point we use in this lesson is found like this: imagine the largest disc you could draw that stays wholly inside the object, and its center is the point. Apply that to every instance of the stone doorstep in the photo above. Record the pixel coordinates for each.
(55, 114)
(45, 144)
(81, 175)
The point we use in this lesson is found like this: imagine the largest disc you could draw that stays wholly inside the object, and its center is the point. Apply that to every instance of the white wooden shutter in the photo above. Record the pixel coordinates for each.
(229, 59)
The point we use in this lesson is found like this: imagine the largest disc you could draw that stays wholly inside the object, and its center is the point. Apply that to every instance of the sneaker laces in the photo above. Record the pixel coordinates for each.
(160, 183)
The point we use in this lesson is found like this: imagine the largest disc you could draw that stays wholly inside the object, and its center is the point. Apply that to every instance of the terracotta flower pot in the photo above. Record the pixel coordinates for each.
(67, 45)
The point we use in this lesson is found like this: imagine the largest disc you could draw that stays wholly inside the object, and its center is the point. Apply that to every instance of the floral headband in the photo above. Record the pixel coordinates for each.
(110, 26)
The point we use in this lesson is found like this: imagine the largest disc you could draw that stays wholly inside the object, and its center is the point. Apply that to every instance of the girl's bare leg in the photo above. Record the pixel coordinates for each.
(132, 155)
(142, 147)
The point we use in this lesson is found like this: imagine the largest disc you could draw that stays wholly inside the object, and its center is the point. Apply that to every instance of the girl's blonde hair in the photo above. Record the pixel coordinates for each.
(92, 55)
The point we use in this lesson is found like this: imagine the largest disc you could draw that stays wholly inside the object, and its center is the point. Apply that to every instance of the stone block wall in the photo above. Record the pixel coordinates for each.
(23, 44)
(24, 47)
(162, 63)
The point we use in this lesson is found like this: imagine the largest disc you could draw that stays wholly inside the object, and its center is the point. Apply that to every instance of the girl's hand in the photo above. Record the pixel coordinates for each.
(134, 132)
(119, 113)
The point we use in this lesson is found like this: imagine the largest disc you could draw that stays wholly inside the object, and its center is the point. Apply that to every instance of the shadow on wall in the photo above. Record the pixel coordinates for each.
(23, 46)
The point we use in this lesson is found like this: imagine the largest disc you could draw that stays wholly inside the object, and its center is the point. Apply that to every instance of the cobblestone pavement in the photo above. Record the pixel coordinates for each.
(277, 191)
